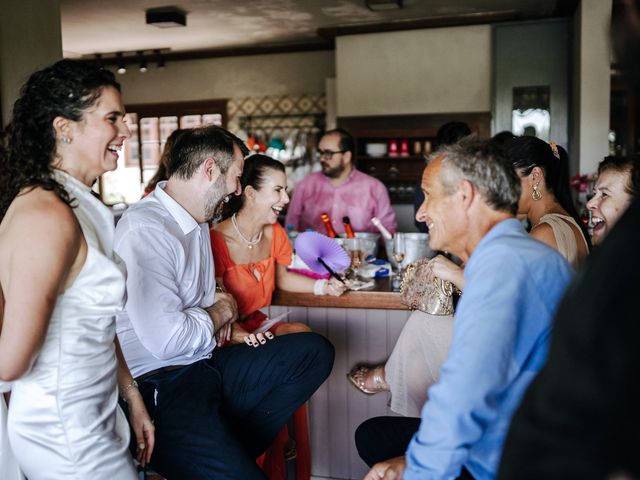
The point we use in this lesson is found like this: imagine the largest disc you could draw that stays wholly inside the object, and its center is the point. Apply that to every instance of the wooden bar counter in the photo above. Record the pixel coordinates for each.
(378, 296)
(363, 327)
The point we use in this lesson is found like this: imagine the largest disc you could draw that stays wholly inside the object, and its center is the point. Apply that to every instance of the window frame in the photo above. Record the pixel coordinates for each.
(172, 109)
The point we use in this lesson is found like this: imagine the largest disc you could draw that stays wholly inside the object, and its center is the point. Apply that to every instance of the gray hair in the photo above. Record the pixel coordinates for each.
(486, 167)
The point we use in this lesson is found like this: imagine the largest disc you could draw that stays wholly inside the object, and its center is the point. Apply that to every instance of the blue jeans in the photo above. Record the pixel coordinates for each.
(214, 417)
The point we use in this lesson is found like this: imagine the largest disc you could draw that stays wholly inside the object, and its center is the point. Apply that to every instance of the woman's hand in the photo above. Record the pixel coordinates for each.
(240, 335)
(445, 269)
(334, 287)
(142, 426)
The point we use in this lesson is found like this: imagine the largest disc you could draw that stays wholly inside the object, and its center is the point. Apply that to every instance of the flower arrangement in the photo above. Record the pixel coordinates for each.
(582, 184)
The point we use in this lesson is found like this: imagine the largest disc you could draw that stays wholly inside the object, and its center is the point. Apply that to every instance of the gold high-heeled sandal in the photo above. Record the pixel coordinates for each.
(357, 377)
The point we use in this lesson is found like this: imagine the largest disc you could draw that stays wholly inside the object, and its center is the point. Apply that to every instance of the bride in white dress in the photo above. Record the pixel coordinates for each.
(62, 285)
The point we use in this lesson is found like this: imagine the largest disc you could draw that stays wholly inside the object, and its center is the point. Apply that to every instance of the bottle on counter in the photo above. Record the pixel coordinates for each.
(327, 225)
(348, 229)
(386, 234)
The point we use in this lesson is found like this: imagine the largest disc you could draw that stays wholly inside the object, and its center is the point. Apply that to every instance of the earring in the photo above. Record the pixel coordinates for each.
(535, 194)
(66, 140)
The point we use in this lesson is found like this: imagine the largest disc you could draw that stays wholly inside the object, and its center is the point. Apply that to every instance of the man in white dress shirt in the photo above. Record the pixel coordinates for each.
(215, 409)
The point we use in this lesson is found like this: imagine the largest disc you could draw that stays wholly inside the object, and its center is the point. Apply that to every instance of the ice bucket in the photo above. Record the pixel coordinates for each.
(370, 244)
(416, 246)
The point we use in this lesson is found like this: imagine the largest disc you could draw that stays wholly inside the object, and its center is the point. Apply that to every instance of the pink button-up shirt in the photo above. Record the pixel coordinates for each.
(360, 197)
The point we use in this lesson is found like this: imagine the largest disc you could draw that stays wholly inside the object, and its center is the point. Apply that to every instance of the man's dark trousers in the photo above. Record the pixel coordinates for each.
(383, 438)
(214, 417)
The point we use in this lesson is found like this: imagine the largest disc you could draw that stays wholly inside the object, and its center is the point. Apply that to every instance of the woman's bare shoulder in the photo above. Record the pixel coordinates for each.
(40, 212)
(544, 233)
(224, 228)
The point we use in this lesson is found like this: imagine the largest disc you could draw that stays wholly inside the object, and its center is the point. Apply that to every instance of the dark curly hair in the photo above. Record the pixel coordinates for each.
(28, 145)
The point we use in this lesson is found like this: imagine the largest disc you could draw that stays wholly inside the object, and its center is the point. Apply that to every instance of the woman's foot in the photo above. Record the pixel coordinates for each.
(369, 380)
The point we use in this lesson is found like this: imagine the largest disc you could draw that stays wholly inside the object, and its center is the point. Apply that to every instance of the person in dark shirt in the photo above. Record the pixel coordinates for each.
(579, 419)
(448, 134)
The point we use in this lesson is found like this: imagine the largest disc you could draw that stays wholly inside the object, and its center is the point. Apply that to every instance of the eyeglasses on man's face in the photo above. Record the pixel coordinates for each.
(328, 154)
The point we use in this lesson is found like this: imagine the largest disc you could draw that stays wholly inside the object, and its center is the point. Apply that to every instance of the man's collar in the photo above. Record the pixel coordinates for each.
(185, 220)
(349, 177)
(509, 224)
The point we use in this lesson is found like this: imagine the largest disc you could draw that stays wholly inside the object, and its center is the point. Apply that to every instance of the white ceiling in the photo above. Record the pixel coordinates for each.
(98, 26)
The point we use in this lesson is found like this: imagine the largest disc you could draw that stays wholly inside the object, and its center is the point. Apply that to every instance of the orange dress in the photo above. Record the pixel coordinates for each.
(252, 286)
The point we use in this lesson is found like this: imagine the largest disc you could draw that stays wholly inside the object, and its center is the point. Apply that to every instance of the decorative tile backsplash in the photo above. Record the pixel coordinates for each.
(285, 127)
(276, 114)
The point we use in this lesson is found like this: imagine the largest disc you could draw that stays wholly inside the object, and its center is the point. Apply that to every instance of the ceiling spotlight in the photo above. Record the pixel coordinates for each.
(143, 62)
(378, 5)
(122, 69)
(166, 17)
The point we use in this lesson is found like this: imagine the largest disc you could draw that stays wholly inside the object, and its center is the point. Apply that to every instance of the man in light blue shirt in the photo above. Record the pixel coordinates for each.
(513, 284)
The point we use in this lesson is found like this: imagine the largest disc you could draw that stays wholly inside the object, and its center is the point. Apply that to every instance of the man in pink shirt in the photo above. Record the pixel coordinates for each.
(339, 190)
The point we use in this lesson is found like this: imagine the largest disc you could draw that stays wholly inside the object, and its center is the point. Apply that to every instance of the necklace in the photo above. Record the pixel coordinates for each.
(250, 243)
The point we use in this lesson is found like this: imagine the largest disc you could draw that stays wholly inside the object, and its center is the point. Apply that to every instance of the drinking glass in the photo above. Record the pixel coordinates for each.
(354, 248)
(398, 256)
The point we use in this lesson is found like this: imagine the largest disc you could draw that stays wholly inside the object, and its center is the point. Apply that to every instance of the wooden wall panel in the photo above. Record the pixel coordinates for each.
(337, 408)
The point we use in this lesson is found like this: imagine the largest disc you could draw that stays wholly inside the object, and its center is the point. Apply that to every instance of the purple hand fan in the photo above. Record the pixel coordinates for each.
(321, 253)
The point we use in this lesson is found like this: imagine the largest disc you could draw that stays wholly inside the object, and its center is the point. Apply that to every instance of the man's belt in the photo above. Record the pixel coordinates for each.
(148, 375)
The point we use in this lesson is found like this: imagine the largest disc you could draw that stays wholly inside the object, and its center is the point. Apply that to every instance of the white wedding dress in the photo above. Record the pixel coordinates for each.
(64, 421)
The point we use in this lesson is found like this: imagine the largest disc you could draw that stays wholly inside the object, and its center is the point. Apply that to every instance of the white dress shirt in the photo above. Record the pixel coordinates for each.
(170, 281)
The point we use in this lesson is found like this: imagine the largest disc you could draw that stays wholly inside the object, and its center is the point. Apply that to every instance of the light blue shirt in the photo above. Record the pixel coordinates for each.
(513, 284)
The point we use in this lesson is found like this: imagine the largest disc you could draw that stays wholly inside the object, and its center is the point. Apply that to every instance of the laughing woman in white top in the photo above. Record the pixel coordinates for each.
(62, 284)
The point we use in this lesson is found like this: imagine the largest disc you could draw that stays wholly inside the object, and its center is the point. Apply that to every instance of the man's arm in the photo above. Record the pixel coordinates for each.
(476, 373)
(165, 326)
(223, 313)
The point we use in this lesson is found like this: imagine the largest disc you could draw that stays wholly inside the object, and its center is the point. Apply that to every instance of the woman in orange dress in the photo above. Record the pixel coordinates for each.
(251, 253)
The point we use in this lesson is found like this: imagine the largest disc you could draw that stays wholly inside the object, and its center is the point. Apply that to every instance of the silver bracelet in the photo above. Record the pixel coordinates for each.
(126, 388)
